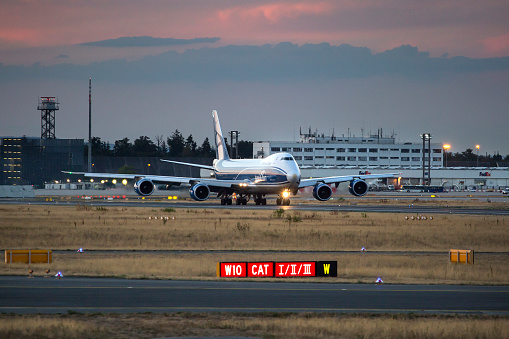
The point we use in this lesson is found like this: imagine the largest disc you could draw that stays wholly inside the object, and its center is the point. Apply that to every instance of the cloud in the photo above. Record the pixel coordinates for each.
(272, 12)
(283, 62)
(147, 41)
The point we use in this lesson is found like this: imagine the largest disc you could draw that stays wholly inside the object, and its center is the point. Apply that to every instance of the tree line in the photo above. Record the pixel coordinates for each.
(469, 157)
(174, 146)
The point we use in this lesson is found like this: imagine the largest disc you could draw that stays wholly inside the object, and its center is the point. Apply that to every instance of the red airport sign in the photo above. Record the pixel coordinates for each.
(260, 269)
(277, 269)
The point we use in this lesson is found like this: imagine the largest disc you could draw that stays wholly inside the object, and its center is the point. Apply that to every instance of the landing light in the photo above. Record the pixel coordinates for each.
(124, 182)
(286, 194)
(114, 181)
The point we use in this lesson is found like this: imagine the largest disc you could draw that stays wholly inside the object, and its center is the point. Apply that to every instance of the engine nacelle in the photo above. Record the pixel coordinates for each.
(358, 187)
(322, 192)
(144, 187)
(199, 192)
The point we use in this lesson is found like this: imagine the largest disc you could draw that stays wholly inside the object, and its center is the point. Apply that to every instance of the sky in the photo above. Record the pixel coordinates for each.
(268, 67)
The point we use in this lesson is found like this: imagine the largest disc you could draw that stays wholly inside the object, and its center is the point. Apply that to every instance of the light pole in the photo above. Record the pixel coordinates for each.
(477, 146)
(446, 148)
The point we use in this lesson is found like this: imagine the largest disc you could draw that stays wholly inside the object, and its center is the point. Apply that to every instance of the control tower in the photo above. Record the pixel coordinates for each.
(48, 106)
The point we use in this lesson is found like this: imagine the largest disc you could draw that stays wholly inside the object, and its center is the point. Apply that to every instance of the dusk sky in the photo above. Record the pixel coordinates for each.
(268, 67)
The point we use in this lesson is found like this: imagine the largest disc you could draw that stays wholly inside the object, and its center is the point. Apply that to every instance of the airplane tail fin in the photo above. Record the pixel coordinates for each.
(221, 150)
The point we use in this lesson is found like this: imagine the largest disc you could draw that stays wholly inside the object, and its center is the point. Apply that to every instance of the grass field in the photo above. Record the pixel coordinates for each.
(99, 228)
(133, 228)
(281, 325)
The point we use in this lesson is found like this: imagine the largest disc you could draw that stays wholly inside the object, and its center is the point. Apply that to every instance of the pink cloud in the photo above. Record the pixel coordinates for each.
(272, 13)
(498, 45)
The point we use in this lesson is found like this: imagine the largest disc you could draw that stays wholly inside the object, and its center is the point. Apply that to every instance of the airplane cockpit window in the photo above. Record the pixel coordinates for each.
(287, 158)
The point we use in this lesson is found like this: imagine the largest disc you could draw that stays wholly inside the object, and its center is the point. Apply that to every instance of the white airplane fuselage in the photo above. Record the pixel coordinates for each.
(271, 175)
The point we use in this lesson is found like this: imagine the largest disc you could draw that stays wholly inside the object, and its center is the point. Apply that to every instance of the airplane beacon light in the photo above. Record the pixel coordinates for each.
(379, 281)
(80, 250)
(59, 275)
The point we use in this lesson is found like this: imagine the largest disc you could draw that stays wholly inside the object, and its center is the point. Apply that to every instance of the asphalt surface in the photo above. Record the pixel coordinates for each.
(51, 295)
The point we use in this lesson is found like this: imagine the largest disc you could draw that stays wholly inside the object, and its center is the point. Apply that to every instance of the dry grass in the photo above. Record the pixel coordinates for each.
(46, 327)
(252, 325)
(352, 267)
(58, 227)
(66, 227)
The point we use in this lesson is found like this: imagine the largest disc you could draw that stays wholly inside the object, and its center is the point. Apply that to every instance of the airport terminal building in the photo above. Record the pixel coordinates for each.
(322, 156)
(315, 150)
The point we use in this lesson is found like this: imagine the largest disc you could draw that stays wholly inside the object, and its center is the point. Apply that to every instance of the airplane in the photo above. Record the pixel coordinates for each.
(276, 174)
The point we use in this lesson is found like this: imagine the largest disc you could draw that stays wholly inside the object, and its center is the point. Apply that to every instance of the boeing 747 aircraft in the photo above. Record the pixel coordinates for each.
(276, 174)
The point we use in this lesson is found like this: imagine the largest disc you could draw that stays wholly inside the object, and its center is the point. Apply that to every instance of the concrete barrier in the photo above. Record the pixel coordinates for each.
(461, 256)
(28, 256)
(14, 191)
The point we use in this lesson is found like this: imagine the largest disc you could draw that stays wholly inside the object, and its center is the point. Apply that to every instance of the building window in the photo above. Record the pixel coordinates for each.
(353, 150)
(275, 149)
(395, 158)
(394, 149)
(329, 157)
(384, 158)
(405, 150)
(340, 158)
(297, 149)
(373, 150)
(437, 150)
(352, 158)
(416, 150)
(405, 159)
(308, 158)
(330, 149)
(416, 159)
(363, 158)
(319, 157)
(308, 150)
(319, 149)
(363, 150)
(384, 149)
(298, 157)
(437, 159)
(341, 150)
(285, 149)
(373, 158)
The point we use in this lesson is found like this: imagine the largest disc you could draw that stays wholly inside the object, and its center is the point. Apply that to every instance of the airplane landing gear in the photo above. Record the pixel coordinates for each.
(283, 201)
(226, 201)
(259, 200)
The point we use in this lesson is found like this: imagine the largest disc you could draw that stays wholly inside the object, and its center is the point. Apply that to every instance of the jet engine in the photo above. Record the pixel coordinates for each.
(144, 187)
(199, 192)
(358, 187)
(322, 192)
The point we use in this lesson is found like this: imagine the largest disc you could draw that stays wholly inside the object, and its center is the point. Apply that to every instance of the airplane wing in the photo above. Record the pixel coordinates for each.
(189, 164)
(339, 179)
(160, 179)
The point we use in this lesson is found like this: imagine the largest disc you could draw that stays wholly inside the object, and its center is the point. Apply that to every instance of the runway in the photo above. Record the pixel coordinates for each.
(296, 206)
(91, 295)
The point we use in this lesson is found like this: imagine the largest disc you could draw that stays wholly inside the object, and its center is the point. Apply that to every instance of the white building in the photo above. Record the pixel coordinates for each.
(321, 156)
(347, 152)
